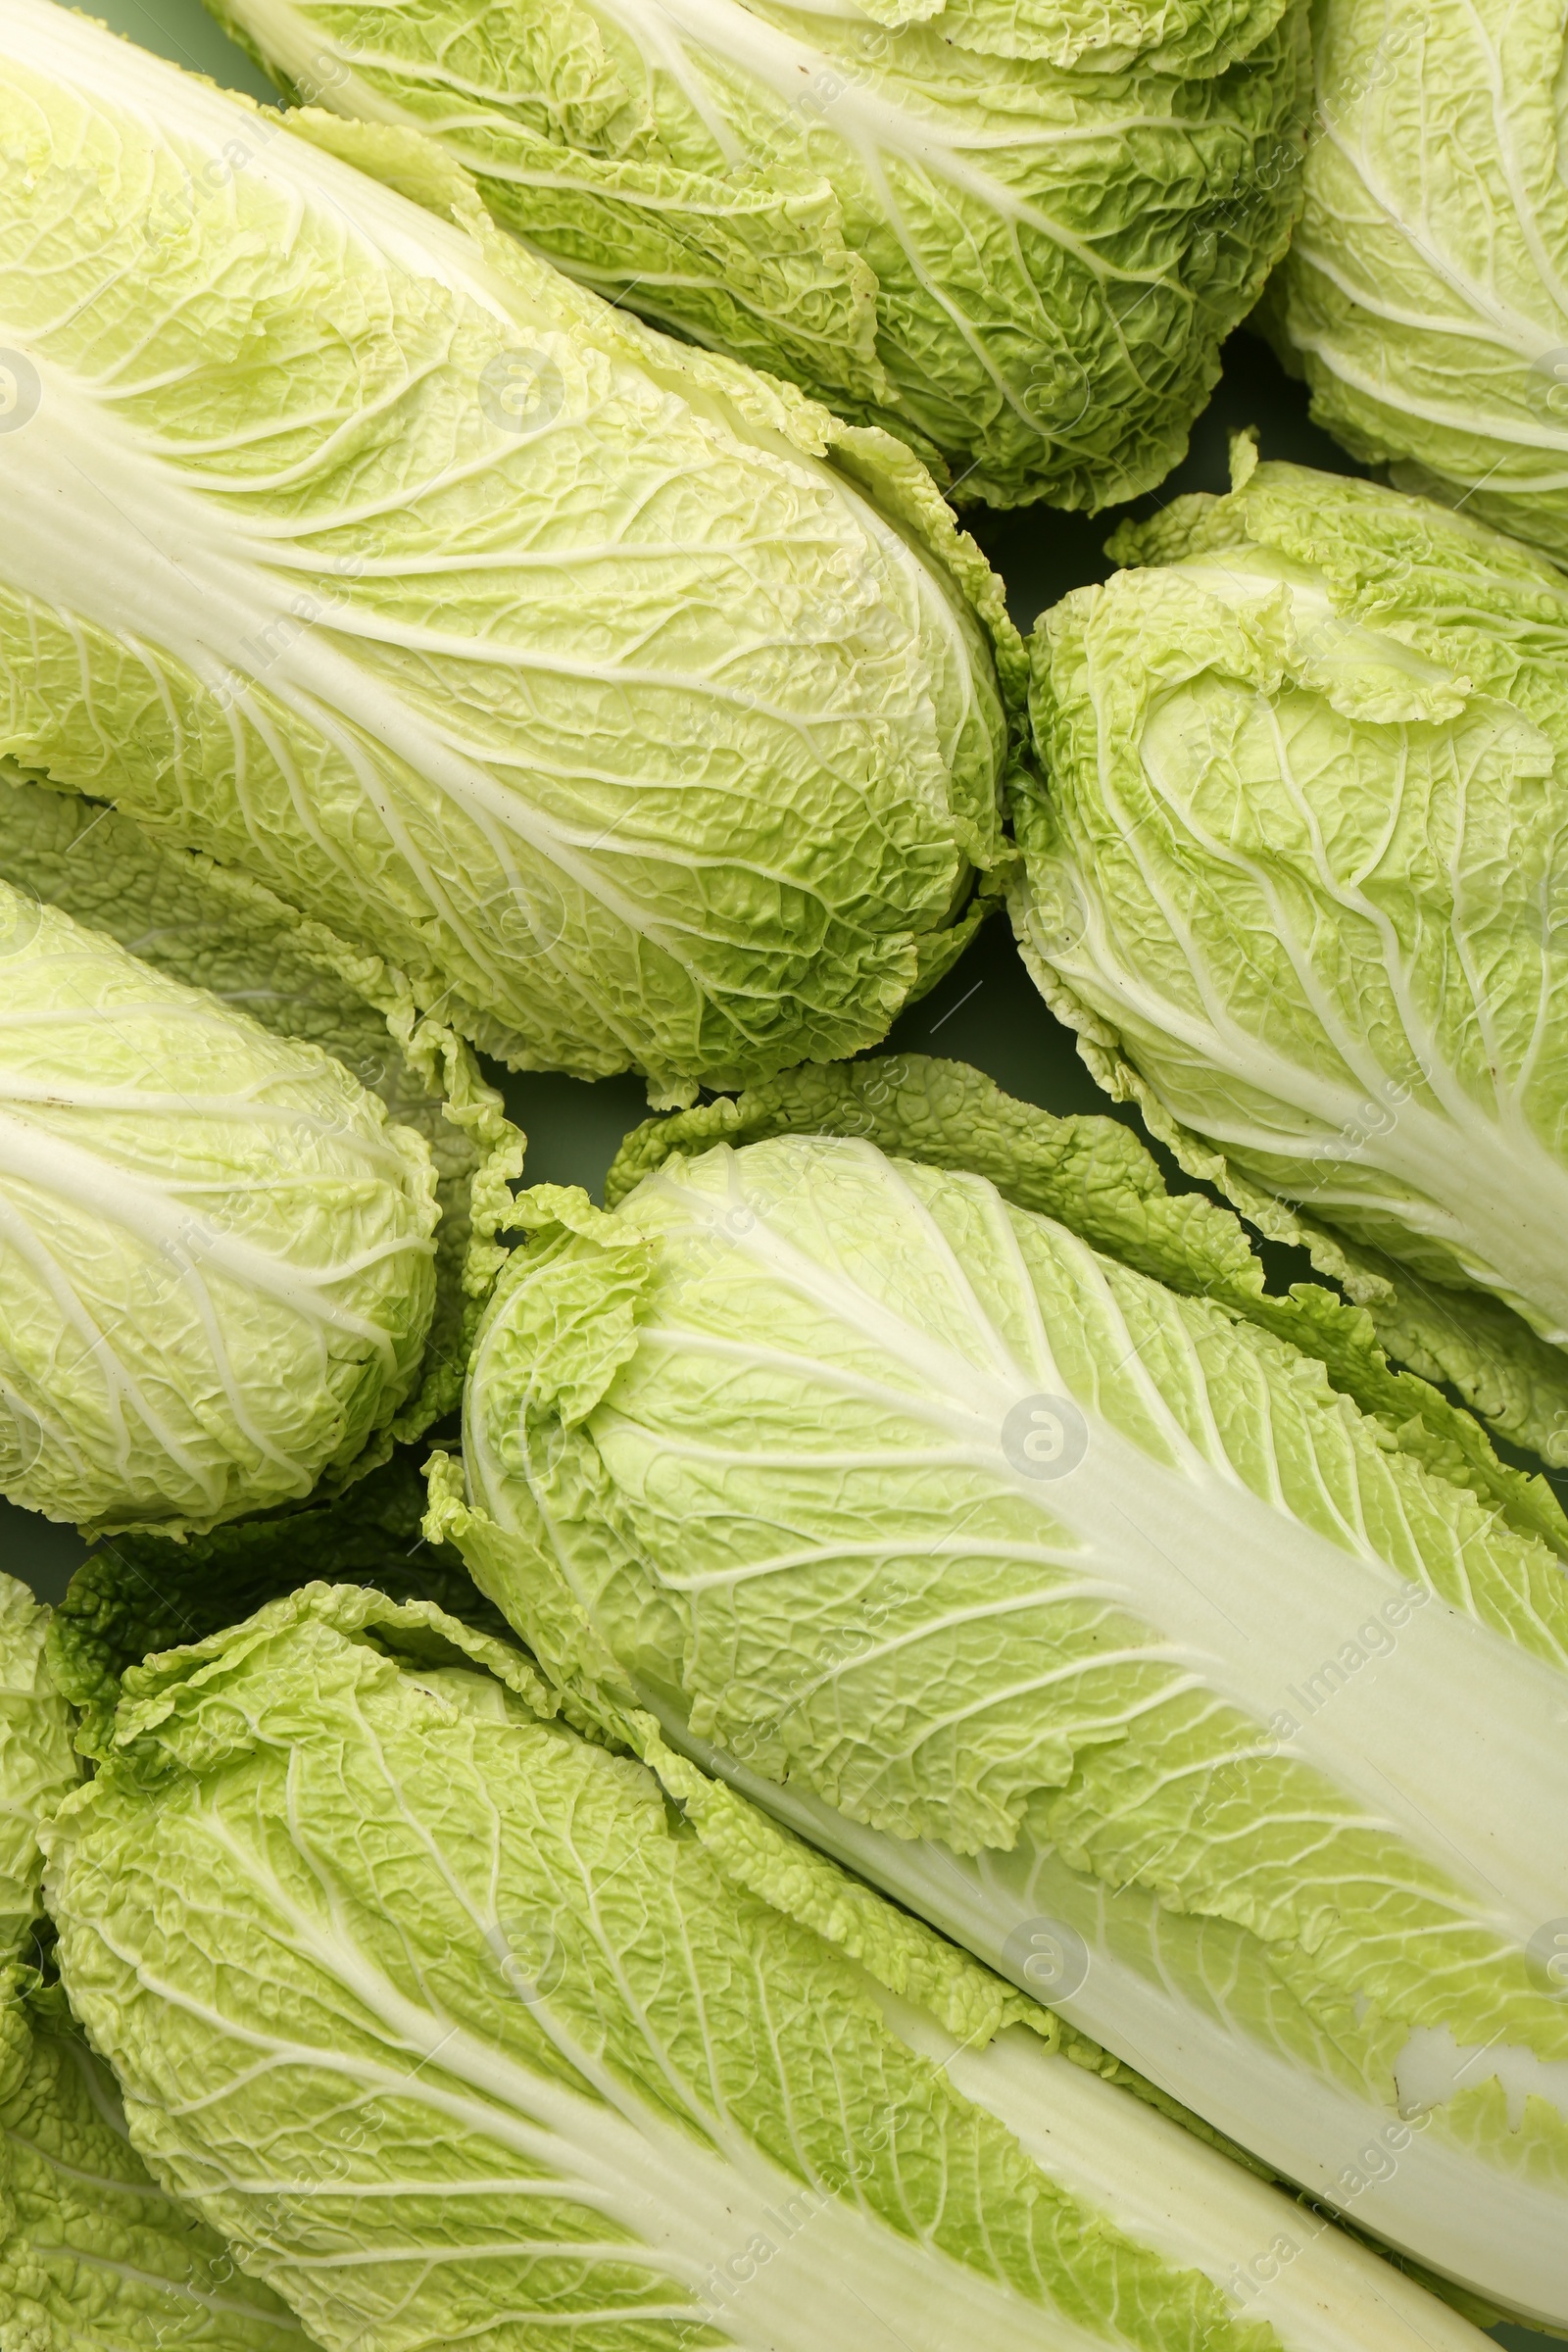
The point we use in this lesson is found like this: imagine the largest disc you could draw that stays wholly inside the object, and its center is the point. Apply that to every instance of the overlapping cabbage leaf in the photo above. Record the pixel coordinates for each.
(93, 2258)
(224, 933)
(144, 1592)
(1426, 291)
(1094, 1176)
(217, 1251)
(639, 711)
(1299, 881)
(38, 1763)
(463, 2027)
(1090, 1622)
(1014, 235)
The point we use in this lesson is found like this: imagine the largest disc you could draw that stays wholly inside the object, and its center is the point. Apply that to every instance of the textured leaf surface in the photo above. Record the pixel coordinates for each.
(94, 2257)
(217, 1278)
(1096, 1178)
(1298, 883)
(487, 2046)
(39, 1764)
(1426, 292)
(1243, 1660)
(135, 1594)
(1015, 235)
(546, 657)
(222, 932)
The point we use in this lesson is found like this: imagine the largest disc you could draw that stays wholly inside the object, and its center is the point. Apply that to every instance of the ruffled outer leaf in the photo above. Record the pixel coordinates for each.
(1096, 1179)
(1296, 885)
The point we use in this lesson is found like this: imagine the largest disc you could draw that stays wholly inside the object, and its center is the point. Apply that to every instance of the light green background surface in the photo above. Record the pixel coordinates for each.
(986, 1012)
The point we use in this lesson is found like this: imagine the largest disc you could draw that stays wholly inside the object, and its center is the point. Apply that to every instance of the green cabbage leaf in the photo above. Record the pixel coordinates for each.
(639, 711)
(138, 1593)
(93, 2258)
(1425, 295)
(461, 2026)
(217, 1250)
(1089, 1620)
(1301, 883)
(1094, 1177)
(38, 1761)
(217, 930)
(1014, 235)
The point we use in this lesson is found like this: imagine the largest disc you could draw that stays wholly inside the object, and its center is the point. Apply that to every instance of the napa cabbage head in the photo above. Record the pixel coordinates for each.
(1085, 1617)
(218, 1273)
(577, 2044)
(1426, 290)
(1299, 880)
(1015, 237)
(222, 932)
(93, 2256)
(639, 711)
